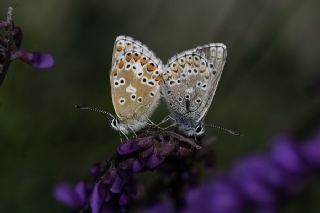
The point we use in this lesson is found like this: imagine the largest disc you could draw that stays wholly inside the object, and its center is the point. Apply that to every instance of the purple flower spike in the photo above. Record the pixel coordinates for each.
(246, 176)
(219, 197)
(67, 195)
(155, 160)
(10, 50)
(128, 147)
(117, 185)
(124, 199)
(311, 152)
(42, 60)
(39, 60)
(97, 198)
(285, 155)
(137, 166)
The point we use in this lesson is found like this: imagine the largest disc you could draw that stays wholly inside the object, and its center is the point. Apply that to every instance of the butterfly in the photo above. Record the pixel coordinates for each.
(135, 78)
(190, 80)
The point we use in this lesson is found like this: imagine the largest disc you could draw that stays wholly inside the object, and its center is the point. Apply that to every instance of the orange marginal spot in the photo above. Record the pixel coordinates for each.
(143, 60)
(136, 56)
(151, 67)
(158, 78)
(206, 74)
(119, 48)
(115, 72)
(128, 56)
(121, 64)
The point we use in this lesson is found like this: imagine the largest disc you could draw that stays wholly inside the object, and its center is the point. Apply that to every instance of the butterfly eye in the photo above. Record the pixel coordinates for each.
(199, 129)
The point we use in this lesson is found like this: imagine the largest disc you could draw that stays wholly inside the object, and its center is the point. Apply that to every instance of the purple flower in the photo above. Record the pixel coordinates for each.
(10, 42)
(72, 196)
(116, 187)
(259, 182)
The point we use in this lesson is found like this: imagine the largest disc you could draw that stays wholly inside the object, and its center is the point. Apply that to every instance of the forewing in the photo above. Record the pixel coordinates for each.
(135, 79)
(190, 81)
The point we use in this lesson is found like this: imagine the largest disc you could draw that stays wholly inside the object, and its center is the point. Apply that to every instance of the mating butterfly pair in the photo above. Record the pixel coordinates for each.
(187, 83)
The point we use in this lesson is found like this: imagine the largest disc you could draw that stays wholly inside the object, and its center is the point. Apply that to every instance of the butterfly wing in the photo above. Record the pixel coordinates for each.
(135, 81)
(190, 82)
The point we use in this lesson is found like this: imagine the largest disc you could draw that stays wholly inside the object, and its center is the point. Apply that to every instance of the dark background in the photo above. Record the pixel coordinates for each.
(273, 54)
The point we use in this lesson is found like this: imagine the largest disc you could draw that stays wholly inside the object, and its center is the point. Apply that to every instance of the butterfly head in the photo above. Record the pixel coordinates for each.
(193, 130)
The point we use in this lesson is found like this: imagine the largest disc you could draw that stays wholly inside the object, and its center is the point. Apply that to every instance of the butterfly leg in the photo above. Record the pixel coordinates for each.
(121, 133)
(151, 122)
(135, 134)
(164, 120)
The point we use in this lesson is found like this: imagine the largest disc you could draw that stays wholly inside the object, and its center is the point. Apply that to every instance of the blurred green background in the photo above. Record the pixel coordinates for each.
(273, 52)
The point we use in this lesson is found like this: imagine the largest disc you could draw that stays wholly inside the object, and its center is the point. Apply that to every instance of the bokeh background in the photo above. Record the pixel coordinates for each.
(273, 55)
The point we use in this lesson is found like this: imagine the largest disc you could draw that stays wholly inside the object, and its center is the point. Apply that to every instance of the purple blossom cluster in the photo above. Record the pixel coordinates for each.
(255, 183)
(10, 48)
(116, 187)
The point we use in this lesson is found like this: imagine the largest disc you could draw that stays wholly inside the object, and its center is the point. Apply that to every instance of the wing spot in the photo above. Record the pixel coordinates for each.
(198, 100)
(188, 97)
(122, 81)
(199, 83)
(122, 101)
(128, 56)
(151, 94)
(133, 97)
(144, 80)
(179, 81)
(172, 82)
(151, 67)
(204, 86)
(180, 99)
(128, 66)
(140, 99)
(116, 83)
(151, 83)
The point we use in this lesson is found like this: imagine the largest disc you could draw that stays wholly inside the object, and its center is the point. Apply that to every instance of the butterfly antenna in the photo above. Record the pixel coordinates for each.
(232, 132)
(94, 109)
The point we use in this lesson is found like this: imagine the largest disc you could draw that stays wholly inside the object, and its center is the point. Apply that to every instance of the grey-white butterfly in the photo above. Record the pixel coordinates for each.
(190, 80)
